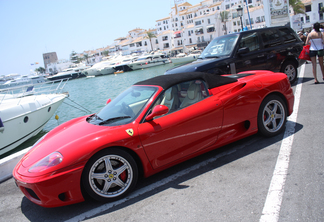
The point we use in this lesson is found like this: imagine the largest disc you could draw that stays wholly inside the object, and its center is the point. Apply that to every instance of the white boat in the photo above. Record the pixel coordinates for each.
(103, 68)
(70, 73)
(183, 58)
(98, 69)
(149, 60)
(123, 64)
(25, 110)
(23, 80)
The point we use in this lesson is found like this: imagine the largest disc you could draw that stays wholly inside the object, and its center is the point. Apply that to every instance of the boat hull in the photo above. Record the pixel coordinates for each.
(182, 60)
(22, 122)
(68, 76)
(144, 65)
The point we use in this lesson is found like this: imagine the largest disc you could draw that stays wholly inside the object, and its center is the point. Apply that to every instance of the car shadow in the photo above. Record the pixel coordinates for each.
(220, 157)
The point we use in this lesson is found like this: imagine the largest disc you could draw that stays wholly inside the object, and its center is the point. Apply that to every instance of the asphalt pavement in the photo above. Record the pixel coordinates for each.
(233, 183)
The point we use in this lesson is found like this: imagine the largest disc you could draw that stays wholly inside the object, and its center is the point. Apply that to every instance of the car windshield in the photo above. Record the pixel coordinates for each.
(125, 107)
(219, 47)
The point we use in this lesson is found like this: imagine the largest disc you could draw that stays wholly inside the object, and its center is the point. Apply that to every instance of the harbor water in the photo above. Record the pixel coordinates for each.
(89, 95)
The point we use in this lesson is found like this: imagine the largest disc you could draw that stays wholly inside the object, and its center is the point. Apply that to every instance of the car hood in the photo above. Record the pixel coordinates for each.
(76, 140)
(200, 65)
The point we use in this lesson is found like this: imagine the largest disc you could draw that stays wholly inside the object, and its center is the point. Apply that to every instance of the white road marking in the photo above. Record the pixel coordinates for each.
(273, 201)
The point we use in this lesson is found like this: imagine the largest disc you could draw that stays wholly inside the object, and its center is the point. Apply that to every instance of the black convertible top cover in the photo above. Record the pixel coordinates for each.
(166, 81)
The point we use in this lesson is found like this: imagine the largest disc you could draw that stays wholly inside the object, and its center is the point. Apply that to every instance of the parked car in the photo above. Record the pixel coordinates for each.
(275, 49)
(151, 126)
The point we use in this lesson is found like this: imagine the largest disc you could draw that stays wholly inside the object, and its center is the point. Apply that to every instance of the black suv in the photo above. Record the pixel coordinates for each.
(276, 49)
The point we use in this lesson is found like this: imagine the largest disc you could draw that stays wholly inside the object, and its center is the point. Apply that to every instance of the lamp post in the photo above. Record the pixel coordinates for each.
(240, 13)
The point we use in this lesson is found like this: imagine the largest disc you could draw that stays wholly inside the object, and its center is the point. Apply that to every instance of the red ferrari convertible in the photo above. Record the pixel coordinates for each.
(151, 126)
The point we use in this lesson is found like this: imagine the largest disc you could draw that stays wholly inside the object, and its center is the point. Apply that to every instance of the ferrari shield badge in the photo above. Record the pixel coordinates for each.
(130, 132)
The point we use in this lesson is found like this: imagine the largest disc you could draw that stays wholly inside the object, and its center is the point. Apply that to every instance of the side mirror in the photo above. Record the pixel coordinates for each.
(108, 101)
(157, 111)
(243, 50)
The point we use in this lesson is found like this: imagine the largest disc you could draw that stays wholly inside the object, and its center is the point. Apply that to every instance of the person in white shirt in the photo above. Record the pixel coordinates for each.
(316, 39)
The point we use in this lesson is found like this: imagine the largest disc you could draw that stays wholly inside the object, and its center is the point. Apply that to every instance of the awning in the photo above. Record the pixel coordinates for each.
(175, 49)
(177, 32)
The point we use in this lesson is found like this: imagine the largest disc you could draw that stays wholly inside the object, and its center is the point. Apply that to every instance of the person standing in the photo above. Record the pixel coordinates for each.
(302, 37)
(315, 39)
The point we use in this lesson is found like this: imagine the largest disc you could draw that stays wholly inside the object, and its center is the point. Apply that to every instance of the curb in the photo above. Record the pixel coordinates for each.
(8, 163)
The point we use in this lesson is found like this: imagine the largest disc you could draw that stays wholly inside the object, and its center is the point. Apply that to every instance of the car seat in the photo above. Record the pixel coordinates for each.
(193, 95)
(171, 99)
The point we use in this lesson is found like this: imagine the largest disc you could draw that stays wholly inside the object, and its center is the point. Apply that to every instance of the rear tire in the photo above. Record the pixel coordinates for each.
(272, 116)
(290, 69)
(110, 175)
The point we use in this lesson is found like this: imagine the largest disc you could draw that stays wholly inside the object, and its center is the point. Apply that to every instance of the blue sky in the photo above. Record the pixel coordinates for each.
(29, 28)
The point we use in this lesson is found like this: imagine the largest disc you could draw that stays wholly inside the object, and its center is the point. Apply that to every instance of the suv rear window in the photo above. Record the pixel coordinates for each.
(287, 35)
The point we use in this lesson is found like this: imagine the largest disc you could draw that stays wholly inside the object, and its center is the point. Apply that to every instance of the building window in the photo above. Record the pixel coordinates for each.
(198, 23)
(166, 45)
(210, 29)
(164, 38)
(262, 19)
(199, 31)
(308, 8)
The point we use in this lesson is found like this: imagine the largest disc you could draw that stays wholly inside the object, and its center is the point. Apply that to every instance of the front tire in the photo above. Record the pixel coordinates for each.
(272, 116)
(110, 175)
(290, 69)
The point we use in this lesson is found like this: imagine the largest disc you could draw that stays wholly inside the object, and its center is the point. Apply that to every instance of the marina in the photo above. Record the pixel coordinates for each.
(89, 95)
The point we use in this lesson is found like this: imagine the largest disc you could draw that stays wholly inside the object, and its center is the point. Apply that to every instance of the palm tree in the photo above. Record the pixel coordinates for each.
(224, 18)
(74, 57)
(297, 6)
(40, 70)
(150, 35)
(86, 57)
(105, 53)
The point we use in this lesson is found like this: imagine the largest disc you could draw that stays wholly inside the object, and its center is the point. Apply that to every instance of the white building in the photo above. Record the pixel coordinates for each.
(193, 26)
(313, 14)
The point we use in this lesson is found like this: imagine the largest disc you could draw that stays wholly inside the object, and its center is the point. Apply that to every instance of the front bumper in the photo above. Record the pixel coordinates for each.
(53, 190)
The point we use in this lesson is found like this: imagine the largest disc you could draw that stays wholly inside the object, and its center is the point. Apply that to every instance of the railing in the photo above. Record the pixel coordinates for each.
(50, 87)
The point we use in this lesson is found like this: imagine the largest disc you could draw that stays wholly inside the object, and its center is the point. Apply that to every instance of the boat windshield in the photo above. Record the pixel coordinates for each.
(125, 107)
(220, 47)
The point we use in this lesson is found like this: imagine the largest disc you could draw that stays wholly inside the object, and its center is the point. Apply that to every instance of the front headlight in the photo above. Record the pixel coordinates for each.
(51, 160)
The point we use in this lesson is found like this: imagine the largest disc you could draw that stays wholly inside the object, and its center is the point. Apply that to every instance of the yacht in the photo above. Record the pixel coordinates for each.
(23, 80)
(25, 110)
(69, 73)
(149, 60)
(123, 64)
(183, 58)
(104, 67)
